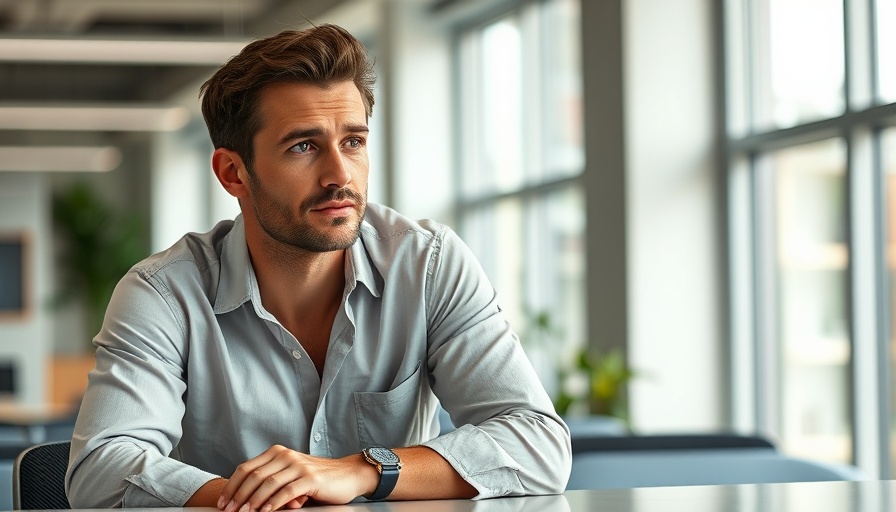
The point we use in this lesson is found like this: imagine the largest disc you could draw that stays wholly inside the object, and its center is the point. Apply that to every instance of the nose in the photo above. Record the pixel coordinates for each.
(335, 172)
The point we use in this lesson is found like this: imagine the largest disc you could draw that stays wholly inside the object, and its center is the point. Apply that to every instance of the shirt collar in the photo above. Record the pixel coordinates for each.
(233, 283)
(360, 265)
(237, 273)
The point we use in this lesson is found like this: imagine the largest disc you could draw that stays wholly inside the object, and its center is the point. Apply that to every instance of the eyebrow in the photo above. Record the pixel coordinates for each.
(317, 132)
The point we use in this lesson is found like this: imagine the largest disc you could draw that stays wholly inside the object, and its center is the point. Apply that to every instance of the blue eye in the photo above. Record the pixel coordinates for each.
(301, 147)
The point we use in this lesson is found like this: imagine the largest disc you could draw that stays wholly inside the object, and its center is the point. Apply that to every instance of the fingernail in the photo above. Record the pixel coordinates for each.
(230, 506)
(266, 508)
(221, 502)
(244, 508)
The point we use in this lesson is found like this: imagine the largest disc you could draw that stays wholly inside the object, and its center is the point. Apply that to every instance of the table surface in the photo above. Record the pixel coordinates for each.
(867, 496)
(27, 415)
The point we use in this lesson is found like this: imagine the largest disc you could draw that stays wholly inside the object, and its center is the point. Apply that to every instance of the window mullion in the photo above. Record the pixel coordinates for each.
(742, 232)
(859, 38)
(767, 332)
(865, 248)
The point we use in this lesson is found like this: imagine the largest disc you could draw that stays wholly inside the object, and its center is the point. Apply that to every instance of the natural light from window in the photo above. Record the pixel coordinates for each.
(520, 208)
(502, 83)
(803, 77)
(812, 271)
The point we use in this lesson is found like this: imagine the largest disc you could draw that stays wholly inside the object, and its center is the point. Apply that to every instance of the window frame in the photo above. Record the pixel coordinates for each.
(751, 253)
(534, 187)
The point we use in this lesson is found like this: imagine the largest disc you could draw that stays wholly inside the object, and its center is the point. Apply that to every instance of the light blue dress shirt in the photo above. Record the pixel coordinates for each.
(193, 376)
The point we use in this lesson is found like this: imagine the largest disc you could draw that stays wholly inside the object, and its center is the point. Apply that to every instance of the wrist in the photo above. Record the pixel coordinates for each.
(368, 476)
(208, 494)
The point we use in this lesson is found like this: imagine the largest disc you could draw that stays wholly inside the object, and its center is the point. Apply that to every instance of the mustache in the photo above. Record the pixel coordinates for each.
(332, 194)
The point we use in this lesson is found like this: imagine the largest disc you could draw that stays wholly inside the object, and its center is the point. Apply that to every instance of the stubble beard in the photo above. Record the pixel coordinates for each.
(281, 222)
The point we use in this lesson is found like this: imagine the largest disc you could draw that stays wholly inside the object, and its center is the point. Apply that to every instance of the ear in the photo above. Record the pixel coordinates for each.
(230, 171)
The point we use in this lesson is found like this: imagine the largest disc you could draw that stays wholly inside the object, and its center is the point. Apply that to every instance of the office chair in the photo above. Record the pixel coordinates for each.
(632, 442)
(663, 468)
(38, 477)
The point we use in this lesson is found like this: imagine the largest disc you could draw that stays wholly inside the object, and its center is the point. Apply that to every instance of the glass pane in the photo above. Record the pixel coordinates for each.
(886, 48)
(812, 279)
(497, 139)
(799, 73)
(555, 274)
(495, 234)
(561, 128)
(888, 144)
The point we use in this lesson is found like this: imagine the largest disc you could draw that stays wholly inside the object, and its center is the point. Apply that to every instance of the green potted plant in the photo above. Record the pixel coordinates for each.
(597, 382)
(100, 245)
(591, 382)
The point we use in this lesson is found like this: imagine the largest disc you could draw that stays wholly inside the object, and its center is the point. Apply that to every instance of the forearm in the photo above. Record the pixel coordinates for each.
(129, 474)
(426, 475)
(208, 495)
(523, 453)
(283, 478)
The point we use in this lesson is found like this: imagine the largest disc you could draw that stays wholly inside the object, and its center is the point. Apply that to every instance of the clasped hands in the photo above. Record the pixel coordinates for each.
(283, 478)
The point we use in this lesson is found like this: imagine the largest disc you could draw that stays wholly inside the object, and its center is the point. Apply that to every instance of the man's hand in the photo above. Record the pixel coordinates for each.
(284, 478)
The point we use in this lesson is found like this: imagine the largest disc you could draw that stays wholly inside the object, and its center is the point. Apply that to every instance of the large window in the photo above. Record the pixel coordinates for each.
(811, 263)
(519, 201)
(810, 146)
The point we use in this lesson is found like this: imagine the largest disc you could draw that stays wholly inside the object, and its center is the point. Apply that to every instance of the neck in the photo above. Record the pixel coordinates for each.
(296, 284)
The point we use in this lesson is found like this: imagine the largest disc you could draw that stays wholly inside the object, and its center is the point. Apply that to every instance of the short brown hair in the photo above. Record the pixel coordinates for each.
(321, 55)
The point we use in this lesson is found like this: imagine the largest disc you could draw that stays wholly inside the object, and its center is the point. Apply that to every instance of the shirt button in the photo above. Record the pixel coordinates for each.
(317, 437)
(296, 354)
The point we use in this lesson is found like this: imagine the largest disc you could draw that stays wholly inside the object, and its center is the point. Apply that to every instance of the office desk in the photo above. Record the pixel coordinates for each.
(34, 424)
(868, 496)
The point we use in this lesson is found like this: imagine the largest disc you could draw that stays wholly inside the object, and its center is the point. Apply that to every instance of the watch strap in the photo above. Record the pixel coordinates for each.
(388, 478)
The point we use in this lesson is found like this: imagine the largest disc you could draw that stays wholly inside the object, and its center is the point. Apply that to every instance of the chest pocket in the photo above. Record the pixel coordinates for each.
(394, 418)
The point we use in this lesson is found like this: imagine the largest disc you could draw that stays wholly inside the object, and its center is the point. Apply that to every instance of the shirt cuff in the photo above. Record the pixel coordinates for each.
(480, 461)
(169, 483)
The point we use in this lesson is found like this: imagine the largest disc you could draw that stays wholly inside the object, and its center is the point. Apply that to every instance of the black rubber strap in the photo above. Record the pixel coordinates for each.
(388, 479)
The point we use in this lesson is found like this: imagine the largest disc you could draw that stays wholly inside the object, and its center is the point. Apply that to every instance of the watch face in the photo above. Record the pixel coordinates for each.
(383, 455)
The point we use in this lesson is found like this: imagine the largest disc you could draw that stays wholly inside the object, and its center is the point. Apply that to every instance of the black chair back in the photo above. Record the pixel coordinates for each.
(714, 441)
(38, 477)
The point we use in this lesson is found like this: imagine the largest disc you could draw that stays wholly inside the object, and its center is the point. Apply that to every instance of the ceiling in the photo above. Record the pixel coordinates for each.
(66, 74)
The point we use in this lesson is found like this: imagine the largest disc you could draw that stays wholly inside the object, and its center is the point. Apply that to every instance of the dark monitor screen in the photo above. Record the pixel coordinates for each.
(12, 279)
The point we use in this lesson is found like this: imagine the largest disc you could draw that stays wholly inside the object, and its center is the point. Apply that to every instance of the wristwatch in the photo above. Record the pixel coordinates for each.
(388, 465)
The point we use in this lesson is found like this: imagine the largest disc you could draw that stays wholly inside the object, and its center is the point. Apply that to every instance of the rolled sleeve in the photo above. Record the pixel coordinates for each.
(480, 461)
(164, 482)
(510, 440)
(130, 417)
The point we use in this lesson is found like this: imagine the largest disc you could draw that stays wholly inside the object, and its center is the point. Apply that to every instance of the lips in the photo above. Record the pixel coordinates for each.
(335, 209)
(334, 205)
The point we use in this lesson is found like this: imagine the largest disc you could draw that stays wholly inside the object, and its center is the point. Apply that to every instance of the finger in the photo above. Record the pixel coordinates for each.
(298, 502)
(243, 470)
(282, 484)
(295, 492)
(258, 487)
(292, 504)
(248, 476)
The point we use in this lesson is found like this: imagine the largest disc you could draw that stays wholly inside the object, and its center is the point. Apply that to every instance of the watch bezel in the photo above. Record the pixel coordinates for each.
(383, 456)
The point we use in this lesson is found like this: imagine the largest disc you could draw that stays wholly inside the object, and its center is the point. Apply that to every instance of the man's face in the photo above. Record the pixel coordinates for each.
(308, 183)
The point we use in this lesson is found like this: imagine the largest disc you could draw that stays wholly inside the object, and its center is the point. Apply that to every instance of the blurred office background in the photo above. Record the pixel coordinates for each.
(703, 186)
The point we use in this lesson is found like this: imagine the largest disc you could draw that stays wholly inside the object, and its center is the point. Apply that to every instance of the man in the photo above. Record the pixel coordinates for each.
(300, 352)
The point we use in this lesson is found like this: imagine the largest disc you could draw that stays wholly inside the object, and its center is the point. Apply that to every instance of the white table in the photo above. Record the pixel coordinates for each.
(866, 496)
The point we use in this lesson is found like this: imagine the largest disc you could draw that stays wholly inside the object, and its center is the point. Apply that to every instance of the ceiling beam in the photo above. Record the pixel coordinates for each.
(119, 51)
